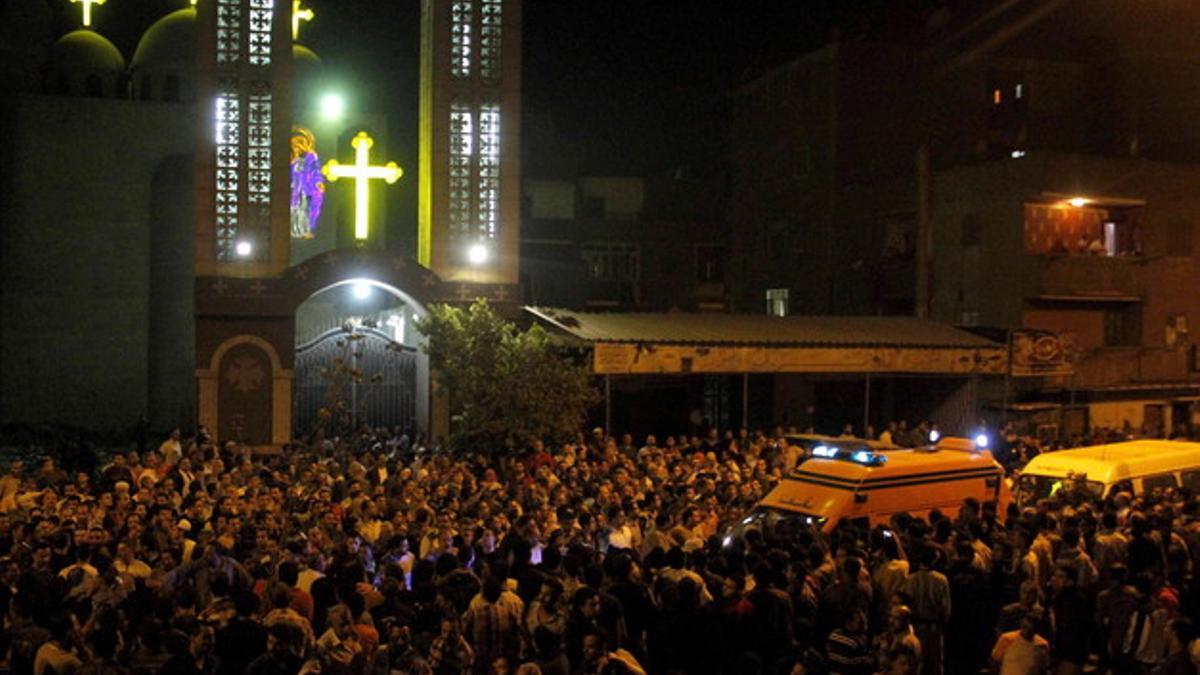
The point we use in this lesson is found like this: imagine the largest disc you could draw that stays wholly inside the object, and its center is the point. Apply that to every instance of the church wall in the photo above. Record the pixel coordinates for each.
(170, 318)
(74, 280)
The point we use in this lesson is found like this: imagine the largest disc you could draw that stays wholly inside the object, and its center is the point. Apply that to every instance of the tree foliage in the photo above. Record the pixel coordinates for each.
(506, 387)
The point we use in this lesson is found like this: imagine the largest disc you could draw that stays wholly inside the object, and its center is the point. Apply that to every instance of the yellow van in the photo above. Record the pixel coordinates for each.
(869, 486)
(1146, 465)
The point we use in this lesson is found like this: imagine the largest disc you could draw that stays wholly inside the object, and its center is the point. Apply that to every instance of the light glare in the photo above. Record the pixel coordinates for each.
(362, 290)
(477, 254)
(332, 107)
(981, 440)
(1078, 202)
(244, 248)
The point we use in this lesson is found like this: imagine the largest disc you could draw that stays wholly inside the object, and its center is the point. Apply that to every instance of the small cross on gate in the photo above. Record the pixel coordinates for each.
(258, 287)
(219, 286)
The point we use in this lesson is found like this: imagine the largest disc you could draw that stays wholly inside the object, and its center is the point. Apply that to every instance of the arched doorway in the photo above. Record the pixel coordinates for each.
(358, 360)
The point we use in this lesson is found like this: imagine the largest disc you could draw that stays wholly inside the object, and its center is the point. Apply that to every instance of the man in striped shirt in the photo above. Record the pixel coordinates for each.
(848, 650)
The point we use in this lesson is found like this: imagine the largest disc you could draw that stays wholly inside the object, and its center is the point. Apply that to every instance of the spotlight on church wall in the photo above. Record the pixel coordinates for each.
(361, 290)
(332, 107)
(477, 254)
(244, 249)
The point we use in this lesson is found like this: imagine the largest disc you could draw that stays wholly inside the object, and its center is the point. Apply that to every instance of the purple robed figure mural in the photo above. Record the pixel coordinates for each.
(308, 185)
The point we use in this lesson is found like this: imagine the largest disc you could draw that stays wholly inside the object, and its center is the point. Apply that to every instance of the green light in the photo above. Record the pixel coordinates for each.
(332, 107)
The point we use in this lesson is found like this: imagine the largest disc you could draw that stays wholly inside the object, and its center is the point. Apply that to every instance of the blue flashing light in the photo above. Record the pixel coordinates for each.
(981, 441)
(862, 457)
(934, 435)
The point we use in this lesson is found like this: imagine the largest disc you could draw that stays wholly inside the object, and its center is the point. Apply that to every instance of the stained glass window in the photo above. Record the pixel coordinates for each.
(308, 185)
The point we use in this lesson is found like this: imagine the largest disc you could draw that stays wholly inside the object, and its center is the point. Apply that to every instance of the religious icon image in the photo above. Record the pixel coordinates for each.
(308, 184)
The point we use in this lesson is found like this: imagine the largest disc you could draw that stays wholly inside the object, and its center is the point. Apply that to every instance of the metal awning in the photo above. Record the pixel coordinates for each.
(643, 343)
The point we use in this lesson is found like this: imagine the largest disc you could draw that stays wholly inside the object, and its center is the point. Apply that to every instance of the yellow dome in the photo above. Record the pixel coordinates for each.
(85, 52)
(171, 41)
(303, 57)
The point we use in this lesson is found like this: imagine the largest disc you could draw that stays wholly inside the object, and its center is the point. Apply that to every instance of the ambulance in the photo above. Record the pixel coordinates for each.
(867, 486)
(1143, 466)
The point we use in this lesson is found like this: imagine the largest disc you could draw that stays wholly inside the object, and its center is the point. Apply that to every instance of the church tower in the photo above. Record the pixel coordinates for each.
(243, 324)
(244, 64)
(469, 174)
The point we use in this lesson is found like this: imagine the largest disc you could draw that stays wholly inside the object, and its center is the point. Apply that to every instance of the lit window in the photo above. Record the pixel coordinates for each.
(488, 192)
(1019, 91)
(777, 301)
(462, 14)
(462, 136)
(259, 44)
(490, 21)
(996, 96)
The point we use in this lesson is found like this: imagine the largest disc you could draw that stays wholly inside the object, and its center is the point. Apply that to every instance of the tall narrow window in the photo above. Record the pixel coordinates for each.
(491, 18)
(462, 15)
(261, 12)
(489, 169)
(228, 148)
(229, 29)
(462, 133)
(258, 153)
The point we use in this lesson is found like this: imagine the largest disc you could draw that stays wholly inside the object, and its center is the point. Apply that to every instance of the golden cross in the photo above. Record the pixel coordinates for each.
(298, 15)
(361, 172)
(87, 9)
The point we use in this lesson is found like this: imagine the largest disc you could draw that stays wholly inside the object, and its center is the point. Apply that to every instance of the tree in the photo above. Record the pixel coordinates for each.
(506, 387)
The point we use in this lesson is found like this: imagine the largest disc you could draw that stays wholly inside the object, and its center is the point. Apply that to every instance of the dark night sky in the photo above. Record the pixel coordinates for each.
(615, 85)
(609, 86)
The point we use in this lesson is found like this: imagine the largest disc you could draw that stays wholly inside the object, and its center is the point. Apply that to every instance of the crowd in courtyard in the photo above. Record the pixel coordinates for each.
(373, 554)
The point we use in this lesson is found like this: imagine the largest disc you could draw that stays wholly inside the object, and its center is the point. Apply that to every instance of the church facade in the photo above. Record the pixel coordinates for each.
(183, 242)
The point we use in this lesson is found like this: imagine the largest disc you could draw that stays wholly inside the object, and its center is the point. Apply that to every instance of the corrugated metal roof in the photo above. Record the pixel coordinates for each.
(760, 329)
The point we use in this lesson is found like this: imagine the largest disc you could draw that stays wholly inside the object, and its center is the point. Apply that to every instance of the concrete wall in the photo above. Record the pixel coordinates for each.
(81, 222)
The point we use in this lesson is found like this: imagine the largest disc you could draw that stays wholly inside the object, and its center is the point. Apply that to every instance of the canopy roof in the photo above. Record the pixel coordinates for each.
(681, 342)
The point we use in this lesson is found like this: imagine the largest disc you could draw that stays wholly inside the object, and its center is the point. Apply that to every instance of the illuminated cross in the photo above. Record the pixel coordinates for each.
(361, 172)
(87, 9)
(298, 15)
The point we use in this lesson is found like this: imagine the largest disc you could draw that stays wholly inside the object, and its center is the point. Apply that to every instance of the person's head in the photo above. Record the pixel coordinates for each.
(1029, 624)
(900, 618)
(587, 601)
(595, 647)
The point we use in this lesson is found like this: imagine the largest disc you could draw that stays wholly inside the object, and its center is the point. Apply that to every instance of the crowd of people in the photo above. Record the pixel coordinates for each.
(373, 554)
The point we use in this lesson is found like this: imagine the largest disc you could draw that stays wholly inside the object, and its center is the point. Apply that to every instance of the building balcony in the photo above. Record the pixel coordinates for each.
(1083, 278)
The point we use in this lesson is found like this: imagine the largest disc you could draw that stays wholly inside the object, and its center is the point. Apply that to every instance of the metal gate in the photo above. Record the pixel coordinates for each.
(356, 376)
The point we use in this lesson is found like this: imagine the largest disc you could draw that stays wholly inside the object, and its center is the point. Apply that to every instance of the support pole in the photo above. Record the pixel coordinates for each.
(1007, 381)
(745, 400)
(607, 405)
(866, 407)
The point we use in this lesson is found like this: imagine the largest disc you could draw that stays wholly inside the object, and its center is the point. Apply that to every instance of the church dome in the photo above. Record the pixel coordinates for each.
(164, 63)
(303, 57)
(83, 62)
(86, 51)
(171, 40)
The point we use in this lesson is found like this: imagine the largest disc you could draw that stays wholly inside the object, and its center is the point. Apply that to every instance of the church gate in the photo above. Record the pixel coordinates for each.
(352, 376)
